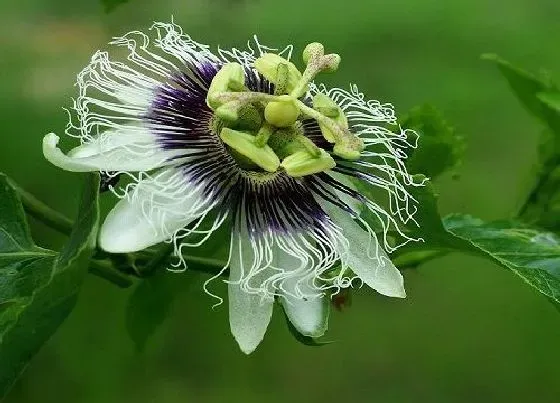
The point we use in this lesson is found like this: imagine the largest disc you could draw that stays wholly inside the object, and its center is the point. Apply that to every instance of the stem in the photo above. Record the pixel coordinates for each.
(106, 270)
(308, 75)
(413, 259)
(320, 118)
(198, 263)
(205, 263)
(39, 210)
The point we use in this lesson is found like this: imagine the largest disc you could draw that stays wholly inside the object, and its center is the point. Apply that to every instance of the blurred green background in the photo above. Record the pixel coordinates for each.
(468, 331)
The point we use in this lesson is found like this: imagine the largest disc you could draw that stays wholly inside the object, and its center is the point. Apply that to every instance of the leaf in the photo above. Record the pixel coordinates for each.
(439, 147)
(151, 303)
(431, 229)
(529, 253)
(533, 255)
(541, 98)
(110, 5)
(551, 99)
(434, 239)
(527, 87)
(38, 287)
(542, 207)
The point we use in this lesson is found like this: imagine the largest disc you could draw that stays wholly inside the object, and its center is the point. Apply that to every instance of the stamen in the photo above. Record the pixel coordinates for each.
(245, 144)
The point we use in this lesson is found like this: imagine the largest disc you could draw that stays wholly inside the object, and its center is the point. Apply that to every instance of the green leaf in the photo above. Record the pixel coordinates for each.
(110, 5)
(38, 287)
(533, 255)
(551, 99)
(151, 302)
(527, 87)
(542, 207)
(439, 147)
(436, 240)
(541, 98)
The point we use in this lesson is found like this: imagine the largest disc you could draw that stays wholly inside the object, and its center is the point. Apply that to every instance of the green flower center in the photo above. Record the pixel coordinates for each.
(263, 131)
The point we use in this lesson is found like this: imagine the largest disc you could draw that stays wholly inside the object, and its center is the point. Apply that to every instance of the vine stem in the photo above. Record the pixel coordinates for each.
(39, 210)
(106, 270)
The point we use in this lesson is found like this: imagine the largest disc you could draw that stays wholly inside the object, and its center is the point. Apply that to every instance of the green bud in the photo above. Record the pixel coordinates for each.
(231, 77)
(244, 144)
(268, 64)
(281, 113)
(313, 51)
(281, 79)
(321, 103)
(303, 163)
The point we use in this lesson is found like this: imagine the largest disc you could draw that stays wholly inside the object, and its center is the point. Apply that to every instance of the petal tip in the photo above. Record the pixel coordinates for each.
(391, 286)
(309, 317)
(50, 144)
(247, 346)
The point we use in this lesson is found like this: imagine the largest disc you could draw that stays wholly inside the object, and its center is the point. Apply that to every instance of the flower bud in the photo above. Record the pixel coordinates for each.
(244, 144)
(281, 113)
(228, 111)
(268, 64)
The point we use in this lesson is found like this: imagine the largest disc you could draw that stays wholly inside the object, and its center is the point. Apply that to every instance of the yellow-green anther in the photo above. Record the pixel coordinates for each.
(268, 64)
(347, 145)
(231, 77)
(282, 112)
(263, 135)
(327, 107)
(228, 111)
(349, 148)
(308, 145)
(321, 100)
(330, 112)
(281, 79)
(302, 163)
(244, 144)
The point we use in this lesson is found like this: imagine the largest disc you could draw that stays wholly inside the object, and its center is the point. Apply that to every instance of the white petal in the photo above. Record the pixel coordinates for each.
(382, 276)
(152, 212)
(306, 310)
(349, 200)
(309, 315)
(117, 150)
(249, 314)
